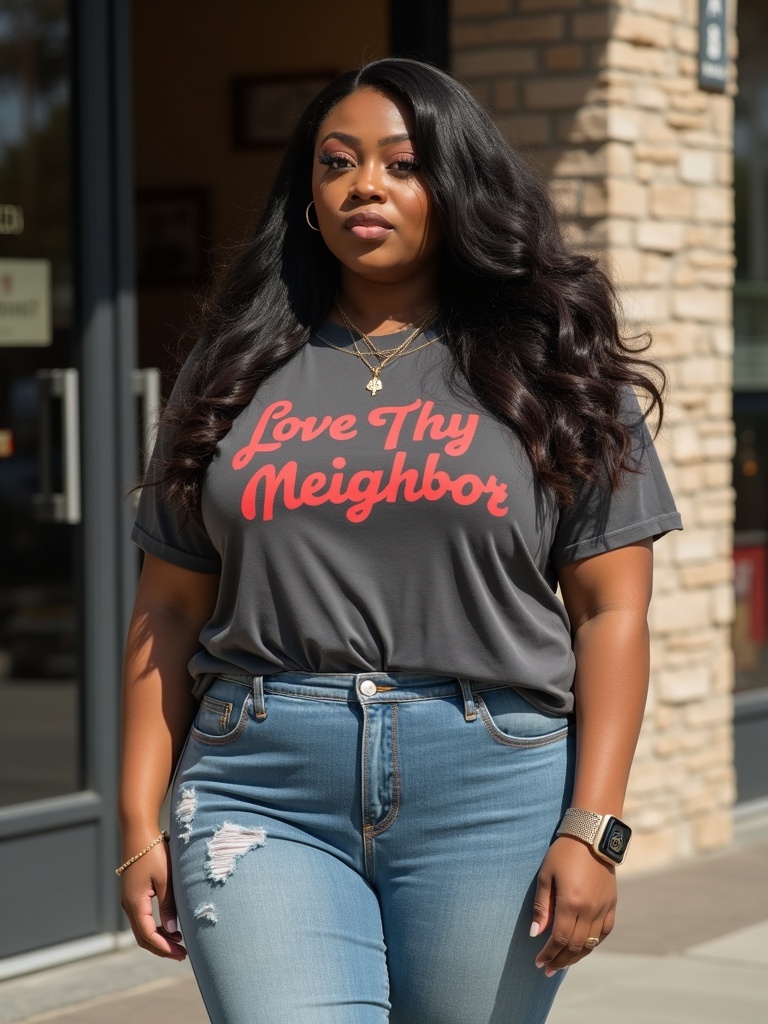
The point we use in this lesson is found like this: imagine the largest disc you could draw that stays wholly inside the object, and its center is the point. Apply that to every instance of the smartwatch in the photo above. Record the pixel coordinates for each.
(607, 835)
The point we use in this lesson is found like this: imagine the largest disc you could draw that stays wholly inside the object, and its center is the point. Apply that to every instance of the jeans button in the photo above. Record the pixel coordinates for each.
(368, 688)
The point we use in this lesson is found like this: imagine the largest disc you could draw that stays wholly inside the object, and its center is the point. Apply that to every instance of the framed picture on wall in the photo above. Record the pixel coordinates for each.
(171, 235)
(265, 109)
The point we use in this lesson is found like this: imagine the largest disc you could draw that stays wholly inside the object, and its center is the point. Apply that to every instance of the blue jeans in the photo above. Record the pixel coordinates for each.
(355, 849)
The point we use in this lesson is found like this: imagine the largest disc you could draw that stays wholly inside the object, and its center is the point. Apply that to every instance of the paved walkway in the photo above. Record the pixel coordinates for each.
(691, 947)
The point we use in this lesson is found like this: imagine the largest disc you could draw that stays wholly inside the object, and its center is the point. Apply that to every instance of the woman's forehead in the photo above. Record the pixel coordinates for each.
(368, 114)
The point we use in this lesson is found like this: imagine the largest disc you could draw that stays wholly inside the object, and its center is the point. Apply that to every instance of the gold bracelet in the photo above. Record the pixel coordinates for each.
(121, 869)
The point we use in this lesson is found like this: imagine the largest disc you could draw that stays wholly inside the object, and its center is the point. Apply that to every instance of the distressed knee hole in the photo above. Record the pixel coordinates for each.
(185, 812)
(206, 912)
(228, 844)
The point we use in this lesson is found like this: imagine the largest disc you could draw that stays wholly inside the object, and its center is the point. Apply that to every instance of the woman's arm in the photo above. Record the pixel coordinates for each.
(607, 599)
(171, 607)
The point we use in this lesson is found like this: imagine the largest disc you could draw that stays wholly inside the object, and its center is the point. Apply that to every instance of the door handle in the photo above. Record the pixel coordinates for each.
(59, 506)
(146, 386)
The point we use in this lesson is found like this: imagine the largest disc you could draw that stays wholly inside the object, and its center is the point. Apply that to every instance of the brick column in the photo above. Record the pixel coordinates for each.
(603, 95)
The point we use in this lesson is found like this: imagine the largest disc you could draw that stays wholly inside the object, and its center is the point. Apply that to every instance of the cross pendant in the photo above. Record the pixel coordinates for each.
(374, 385)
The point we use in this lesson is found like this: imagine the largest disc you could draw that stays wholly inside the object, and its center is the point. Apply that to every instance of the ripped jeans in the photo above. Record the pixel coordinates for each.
(356, 849)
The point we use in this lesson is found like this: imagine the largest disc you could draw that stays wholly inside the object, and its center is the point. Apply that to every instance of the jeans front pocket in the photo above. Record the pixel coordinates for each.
(512, 721)
(223, 713)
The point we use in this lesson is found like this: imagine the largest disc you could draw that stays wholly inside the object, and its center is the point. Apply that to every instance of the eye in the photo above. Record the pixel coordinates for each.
(405, 165)
(336, 161)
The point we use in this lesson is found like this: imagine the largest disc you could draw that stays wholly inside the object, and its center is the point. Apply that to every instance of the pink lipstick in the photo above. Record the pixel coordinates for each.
(368, 225)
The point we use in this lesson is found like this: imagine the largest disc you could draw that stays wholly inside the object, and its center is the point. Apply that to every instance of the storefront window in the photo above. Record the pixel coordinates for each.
(39, 642)
(751, 355)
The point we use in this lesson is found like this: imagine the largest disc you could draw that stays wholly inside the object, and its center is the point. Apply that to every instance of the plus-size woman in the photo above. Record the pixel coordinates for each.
(409, 418)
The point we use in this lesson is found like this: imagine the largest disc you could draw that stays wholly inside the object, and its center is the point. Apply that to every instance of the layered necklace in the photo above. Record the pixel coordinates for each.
(384, 356)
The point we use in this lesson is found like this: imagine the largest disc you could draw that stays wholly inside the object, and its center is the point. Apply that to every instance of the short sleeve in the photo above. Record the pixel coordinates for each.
(159, 528)
(642, 506)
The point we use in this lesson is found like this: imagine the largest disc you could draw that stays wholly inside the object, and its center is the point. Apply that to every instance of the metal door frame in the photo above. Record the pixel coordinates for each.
(109, 428)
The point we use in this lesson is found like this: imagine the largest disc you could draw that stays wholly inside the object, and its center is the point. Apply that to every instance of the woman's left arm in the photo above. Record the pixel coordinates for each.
(606, 597)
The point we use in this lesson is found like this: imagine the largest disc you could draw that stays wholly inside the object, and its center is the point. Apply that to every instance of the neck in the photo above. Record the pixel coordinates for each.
(383, 308)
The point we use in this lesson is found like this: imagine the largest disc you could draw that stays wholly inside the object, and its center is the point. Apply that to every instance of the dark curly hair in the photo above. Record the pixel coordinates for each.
(531, 324)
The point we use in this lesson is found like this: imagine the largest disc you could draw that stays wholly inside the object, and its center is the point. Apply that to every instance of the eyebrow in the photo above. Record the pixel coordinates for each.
(352, 140)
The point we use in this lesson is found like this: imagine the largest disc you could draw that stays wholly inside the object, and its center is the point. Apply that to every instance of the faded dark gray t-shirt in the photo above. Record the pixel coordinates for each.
(401, 532)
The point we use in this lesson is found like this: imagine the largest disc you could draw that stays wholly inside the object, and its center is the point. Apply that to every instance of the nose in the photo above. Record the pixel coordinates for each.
(368, 183)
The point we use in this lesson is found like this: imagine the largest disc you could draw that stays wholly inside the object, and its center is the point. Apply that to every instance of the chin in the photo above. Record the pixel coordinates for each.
(381, 274)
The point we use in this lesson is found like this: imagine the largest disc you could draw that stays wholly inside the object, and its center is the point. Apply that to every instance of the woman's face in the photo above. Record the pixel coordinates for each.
(370, 201)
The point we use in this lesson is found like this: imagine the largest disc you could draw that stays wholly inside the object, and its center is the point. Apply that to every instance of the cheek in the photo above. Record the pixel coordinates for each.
(329, 201)
(322, 186)
(421, 216)
(324, 208)
(318, 194)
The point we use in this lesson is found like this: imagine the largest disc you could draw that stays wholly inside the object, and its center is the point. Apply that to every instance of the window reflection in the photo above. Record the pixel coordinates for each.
(39, 658)
(750, 470)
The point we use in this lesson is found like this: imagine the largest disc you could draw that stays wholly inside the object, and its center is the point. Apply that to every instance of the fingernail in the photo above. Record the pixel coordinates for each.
(550, 972)
(535, 929)
(537, 964)
(173, 925)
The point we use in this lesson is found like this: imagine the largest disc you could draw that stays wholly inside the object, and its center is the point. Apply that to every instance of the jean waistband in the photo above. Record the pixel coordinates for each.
(365, 687)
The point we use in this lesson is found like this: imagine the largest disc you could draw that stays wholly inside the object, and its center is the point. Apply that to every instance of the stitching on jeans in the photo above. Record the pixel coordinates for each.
(273, 691)
(520, 742)
(222, 708)
(452, 690)
(367, 829)
(387, 821)
(242, 722)
(390, 697)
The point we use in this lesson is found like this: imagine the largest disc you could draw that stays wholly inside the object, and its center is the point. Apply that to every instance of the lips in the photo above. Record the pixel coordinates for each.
(368, 225)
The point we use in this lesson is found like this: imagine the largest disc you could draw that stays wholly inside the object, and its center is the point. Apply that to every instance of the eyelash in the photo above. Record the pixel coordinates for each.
(400, 167)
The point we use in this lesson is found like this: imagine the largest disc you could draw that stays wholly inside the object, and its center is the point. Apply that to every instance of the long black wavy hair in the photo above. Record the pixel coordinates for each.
(531, 324)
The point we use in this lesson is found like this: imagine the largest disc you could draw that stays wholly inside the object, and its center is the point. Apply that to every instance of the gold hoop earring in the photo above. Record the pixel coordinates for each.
(306, 215)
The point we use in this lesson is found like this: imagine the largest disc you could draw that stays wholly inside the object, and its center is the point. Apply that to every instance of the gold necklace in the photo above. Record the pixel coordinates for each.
(374, 385)
(385, 356)
(382, 353)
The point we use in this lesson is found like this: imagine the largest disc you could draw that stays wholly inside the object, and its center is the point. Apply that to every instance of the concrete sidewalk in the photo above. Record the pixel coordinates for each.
(691, 947)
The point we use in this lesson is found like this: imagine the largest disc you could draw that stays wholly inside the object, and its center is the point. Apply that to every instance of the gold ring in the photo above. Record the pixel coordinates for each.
(591, 942)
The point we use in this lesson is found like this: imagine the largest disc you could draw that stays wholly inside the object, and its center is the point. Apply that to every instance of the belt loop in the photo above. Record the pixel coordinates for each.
(258, 698)
(470, 708)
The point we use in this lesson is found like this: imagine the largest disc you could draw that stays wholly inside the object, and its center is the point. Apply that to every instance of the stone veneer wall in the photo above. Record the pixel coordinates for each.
(604, 96)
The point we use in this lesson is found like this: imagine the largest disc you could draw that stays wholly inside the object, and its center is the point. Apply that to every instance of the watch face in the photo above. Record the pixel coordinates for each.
(615, 840)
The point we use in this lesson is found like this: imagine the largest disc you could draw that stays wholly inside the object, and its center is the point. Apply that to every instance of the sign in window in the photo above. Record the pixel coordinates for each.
(25, 302)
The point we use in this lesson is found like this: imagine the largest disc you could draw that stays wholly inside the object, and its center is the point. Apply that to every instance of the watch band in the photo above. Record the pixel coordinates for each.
(581, 824)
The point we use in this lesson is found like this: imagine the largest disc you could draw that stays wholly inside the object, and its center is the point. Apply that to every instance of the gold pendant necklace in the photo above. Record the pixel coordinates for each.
(385, 356)
(375, 385)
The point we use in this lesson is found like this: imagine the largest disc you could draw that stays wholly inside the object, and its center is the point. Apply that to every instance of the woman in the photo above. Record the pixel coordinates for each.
(409, 418)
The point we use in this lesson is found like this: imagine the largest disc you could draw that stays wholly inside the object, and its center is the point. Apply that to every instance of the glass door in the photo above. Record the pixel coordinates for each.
(67, 445)
(750, 407)
(40, 664)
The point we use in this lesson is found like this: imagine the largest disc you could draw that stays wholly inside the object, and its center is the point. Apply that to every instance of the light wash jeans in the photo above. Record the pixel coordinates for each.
(355, 849)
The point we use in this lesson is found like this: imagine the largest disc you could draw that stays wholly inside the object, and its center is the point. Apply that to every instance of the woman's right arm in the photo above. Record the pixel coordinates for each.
(172, 605)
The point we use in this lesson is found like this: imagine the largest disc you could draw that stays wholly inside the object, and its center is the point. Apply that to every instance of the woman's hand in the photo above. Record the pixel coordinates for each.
(147, 878)
(576, 894)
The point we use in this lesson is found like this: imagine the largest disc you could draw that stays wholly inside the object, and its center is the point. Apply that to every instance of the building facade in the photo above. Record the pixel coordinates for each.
(607, 98)
(137, 140)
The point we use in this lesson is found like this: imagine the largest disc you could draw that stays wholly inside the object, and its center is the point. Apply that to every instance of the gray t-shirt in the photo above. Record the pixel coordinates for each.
(401, 532)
